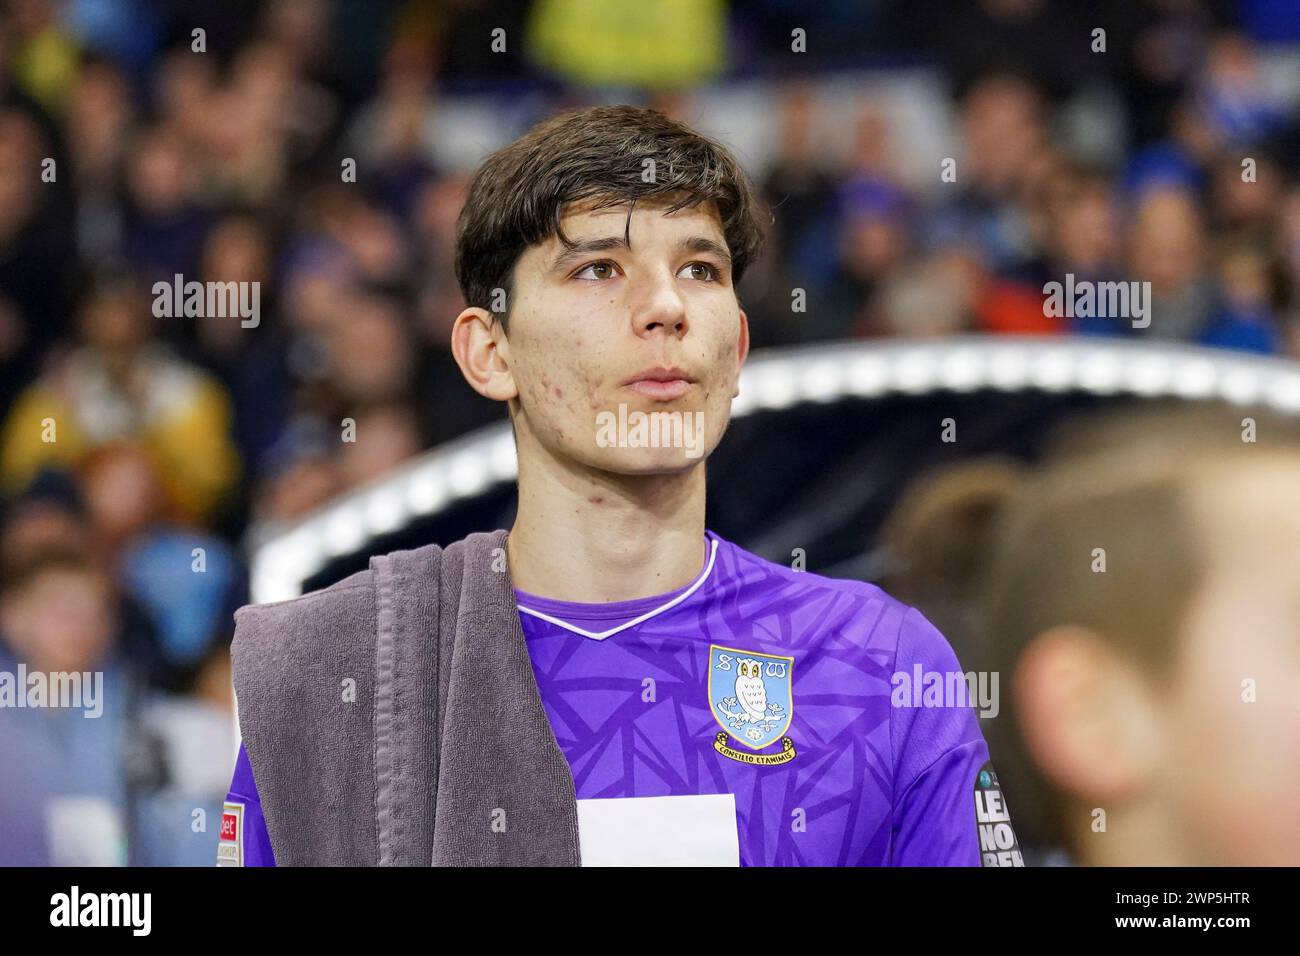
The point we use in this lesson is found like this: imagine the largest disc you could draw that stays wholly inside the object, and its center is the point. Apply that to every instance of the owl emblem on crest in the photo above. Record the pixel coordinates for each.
(751, 694)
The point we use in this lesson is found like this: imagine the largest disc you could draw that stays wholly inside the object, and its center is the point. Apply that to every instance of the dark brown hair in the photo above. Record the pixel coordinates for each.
(520, 193)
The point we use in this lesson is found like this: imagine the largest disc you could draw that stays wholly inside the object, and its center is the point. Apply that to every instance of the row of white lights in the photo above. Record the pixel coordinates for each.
(777, 379)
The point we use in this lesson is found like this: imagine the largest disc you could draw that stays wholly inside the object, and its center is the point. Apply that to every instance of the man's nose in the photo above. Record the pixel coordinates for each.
(659, 306)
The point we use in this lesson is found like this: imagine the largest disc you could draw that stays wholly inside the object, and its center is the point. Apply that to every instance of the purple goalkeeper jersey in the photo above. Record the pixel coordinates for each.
(758, 716)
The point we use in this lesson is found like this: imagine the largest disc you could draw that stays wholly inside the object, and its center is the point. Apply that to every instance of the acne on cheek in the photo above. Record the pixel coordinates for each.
(720, 359)
(559, 392)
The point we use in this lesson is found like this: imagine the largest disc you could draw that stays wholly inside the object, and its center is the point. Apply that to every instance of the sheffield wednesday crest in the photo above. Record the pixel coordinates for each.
(750, 697)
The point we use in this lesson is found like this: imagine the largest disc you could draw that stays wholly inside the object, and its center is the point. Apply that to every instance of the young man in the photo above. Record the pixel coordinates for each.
(710, 707)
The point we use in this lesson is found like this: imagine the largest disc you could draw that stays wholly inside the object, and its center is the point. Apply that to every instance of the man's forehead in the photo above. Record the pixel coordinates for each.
(583, 219)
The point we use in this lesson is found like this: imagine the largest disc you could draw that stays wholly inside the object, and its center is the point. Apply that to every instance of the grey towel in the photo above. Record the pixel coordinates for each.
(393, 718)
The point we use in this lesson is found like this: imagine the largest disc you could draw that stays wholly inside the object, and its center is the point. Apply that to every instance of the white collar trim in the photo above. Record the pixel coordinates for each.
(601, 635)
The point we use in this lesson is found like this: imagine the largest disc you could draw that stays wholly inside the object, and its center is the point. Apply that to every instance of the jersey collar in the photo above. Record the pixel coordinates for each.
(641, 618)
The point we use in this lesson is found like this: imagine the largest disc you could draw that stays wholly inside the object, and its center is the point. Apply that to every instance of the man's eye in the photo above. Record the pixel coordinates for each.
(606, 269)
(604, 264)
(709, 274)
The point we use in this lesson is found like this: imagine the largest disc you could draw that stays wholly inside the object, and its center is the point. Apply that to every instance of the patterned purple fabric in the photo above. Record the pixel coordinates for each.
(774, 685)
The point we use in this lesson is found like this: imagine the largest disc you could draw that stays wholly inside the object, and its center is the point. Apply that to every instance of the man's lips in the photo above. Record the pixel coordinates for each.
(662, 390)
(662, 383)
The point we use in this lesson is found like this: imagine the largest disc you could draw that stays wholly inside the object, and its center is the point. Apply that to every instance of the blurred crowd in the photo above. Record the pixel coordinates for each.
(135, 450)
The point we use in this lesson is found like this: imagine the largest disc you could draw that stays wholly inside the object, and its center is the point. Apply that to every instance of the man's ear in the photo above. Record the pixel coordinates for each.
(1089, 720)
(479, 345)
(742, 348)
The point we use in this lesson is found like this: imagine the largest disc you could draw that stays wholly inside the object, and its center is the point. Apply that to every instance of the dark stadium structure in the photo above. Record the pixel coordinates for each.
(822, 442)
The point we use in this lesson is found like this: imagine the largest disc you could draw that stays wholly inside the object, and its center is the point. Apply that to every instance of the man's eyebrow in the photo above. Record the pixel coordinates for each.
(584, 247)
(705, 244)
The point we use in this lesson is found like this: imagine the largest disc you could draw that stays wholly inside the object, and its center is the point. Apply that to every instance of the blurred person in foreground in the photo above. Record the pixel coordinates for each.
(1137, 592)
(609, 646)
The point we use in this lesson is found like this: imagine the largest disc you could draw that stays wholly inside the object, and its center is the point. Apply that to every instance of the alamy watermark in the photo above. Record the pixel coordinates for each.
(76, 689)
(178, 298)
(923, 688)
(1085, 299)
(637, 429)
(132, 911)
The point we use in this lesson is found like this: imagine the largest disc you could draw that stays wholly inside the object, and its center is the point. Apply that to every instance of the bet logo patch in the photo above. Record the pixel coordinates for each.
(230, 848)
(998, 844)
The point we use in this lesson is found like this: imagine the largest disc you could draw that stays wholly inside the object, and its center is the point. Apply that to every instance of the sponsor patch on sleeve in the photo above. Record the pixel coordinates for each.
(998, 844)
(230, 849)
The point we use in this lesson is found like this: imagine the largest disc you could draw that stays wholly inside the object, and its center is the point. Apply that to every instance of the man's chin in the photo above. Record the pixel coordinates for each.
(649, 461)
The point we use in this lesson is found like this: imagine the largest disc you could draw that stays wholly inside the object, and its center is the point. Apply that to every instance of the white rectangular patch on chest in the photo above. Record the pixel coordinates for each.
(688, 830)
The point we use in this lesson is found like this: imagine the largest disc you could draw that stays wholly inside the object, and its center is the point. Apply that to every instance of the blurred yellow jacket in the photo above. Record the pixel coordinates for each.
(180, 415)
(658, 44)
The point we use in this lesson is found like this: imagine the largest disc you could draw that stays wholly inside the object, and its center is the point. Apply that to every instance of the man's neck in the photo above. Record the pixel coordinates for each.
(595, 538)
